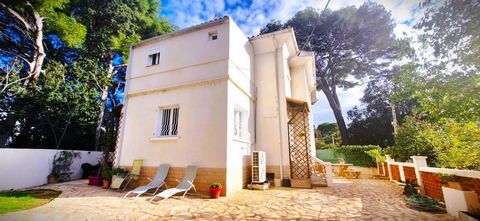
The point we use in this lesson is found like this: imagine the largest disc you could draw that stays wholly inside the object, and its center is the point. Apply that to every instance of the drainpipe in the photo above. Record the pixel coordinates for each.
(277, 81)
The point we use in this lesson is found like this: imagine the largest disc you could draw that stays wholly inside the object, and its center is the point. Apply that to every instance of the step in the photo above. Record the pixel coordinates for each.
(301, 183)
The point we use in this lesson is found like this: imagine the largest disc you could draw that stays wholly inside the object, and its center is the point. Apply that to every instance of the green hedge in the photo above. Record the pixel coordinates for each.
(327, 155)
(355, 154)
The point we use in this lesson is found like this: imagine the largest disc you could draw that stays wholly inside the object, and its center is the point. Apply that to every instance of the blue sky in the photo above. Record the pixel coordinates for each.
(252, 15)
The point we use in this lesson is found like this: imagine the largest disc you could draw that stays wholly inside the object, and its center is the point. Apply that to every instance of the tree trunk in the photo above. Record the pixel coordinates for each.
(101, 114)
(40, 52)
(337, 112)
(35, 66)
(103, 99)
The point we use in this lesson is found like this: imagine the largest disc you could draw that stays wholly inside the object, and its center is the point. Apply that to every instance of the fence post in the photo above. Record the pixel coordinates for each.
(389, 159)
(419, 161)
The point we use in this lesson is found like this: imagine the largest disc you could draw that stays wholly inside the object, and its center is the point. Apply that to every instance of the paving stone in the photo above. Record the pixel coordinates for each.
(346, 200)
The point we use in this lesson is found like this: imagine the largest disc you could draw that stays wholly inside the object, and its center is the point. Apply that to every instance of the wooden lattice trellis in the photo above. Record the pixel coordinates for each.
(298, 140)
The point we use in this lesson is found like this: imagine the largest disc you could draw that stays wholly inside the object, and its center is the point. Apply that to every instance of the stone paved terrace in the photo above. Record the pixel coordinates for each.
(346, 200)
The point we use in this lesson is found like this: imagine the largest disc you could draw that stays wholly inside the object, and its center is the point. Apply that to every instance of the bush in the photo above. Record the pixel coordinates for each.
(410, 141)
(457, 145)
(447, 144)
(356, 154)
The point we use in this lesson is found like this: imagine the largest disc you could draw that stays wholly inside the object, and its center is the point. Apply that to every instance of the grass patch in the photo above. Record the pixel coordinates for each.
(327, 155)
(20, 200)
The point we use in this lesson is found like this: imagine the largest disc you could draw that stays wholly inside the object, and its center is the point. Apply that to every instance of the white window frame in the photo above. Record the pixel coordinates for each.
(240, 124)
(151, 52)
(171, 131)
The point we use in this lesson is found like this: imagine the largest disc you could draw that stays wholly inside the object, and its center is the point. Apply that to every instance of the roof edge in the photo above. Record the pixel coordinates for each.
(184, 31)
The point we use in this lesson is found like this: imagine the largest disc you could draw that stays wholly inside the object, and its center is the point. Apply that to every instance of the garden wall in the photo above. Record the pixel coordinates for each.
(427, 177)
(23, 168)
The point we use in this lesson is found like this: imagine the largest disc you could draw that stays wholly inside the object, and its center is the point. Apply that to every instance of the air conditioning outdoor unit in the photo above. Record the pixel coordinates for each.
(259, 167)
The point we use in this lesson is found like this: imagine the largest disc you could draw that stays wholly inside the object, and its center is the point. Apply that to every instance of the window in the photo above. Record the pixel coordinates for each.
(240, 123)
(153, 59)
(167, 122)
(212, 36)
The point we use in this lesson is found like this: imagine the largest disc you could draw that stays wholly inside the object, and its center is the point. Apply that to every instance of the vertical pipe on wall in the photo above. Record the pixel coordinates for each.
(278, 106)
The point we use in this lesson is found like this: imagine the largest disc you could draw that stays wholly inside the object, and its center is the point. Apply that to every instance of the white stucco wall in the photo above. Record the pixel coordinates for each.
(241, 94)
(23, 168)
(207, 80)
(202, 126)
(193, 74)
(270, 108)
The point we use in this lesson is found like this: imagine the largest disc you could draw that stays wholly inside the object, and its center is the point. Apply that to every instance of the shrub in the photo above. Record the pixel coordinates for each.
(410, 141)
(356, 154)
(376, 154)
(216, 185)
(61, 164)
(456, 145)
(446, 144)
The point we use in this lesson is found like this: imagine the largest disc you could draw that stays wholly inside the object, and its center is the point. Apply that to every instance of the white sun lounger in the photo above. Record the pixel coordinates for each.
(183, 186)
(156, 183)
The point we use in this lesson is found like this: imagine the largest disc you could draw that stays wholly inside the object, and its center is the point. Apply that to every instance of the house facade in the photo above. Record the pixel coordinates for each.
(209, 96)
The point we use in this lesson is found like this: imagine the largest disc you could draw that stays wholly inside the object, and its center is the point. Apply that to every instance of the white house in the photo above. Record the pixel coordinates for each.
(208, 96)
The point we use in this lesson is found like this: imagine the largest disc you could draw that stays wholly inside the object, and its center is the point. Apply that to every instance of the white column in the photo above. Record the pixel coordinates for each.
(402, 173)
(328, 173)
(389, 160)
(419, 161)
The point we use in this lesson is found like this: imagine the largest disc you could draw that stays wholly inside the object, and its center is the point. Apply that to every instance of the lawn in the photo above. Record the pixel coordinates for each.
(327, 155)
(20, 200)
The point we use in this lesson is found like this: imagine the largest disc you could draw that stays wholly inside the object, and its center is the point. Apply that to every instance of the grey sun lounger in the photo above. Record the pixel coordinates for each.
(183, 186)
(156, 183)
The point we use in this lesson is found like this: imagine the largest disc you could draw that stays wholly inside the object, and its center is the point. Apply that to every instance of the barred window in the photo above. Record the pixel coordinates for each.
(167, 122)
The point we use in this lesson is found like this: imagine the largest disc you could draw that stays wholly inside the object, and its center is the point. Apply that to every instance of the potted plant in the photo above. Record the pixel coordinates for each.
(215, 190)
(449, 180)
(95, 179)
(107, 177)
(118, 173)
(52, 178)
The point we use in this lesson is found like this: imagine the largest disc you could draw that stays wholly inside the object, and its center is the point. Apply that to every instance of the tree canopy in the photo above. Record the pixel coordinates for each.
(62, 68)
(349, 44)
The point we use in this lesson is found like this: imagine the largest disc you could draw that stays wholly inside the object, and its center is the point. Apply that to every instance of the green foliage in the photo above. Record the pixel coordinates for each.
(62, 105)
(59, 22)
(61, 164)
(449, 144)
(327, 135)
(423, 203)
(107, 173)
(452, 29)
(457, 145)
(122, 42)
(216, 185)
(445, 177)
(441, 96)
(376, 154)
(356, 154)
(119, 171)
(410, 141)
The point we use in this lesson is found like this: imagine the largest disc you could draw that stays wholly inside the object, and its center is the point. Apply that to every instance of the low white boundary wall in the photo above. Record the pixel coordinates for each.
(23, 168)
